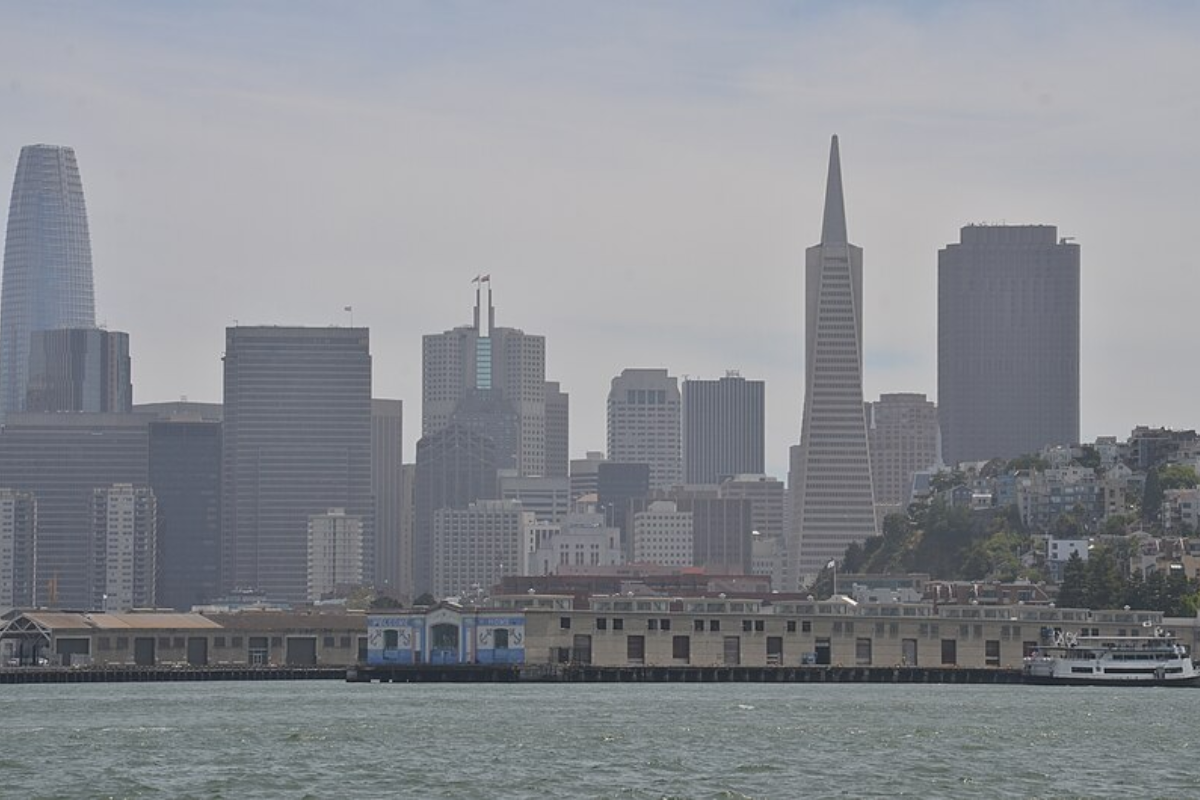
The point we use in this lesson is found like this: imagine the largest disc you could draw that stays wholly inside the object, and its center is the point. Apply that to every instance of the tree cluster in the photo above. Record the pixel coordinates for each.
(1097, 583)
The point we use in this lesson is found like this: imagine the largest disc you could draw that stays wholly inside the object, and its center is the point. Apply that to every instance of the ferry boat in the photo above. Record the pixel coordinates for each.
(1112, 661)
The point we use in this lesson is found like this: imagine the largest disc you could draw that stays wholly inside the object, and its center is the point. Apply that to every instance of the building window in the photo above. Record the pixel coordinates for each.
(992, 652)
(564, 623)
(949, 651)
(601, 624)
(391, 640)
(714, 625)
(862, 651)
(651, 624)
(618, 624)
(501, 638)
(664, 624)
(697, 625)
(635, 649)
(806, 626)
(747, 625)
(791, 626)
(218, 641)
(327, 641)
(759, 626)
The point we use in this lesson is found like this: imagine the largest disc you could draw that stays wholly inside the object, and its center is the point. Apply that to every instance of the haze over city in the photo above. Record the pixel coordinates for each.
(640, 182)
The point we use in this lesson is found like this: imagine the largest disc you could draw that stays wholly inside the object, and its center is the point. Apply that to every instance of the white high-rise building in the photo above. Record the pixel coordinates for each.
(335, 553)
(124, 552)
(644, 424)
(492, 381)
(830, 481)
(474, 547)
(904, 438)
(18, 533)
(663, 535)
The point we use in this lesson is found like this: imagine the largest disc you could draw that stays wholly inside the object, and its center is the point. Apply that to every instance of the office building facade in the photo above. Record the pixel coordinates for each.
(392, 548)
(124, 548)
(644, 424)
(335, 554)
(47, 280)
(830, 482)
(905, 439)
(724, 428)
(79, 369)
(1008, 342)
(18, 536)
(297, 441)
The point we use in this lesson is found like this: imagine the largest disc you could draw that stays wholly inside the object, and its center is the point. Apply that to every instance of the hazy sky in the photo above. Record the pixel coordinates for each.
(640, 179)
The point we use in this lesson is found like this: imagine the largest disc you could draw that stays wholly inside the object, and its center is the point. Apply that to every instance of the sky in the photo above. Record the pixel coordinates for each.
(639, 179)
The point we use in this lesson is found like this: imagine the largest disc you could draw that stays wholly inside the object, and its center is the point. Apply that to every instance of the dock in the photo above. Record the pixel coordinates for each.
(156, 674)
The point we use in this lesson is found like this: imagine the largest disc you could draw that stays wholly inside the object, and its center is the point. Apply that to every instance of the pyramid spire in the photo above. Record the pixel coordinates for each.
(833, 230)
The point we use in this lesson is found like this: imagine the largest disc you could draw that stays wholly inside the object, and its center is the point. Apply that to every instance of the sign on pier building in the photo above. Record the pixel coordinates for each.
(446, 634)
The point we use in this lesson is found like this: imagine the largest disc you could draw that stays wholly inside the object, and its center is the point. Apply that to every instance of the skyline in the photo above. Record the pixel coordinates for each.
(379, 158)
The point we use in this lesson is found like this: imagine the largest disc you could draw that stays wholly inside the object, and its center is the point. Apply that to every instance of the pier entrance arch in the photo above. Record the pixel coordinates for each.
(443, 643)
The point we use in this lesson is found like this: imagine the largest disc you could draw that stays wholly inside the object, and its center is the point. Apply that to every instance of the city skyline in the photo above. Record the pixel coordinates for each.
(674, 161)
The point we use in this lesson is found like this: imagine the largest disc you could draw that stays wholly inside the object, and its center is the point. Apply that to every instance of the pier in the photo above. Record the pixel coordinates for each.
(156, 674)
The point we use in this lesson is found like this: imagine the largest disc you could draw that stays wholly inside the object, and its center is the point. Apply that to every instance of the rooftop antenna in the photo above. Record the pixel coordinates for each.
(349, 310)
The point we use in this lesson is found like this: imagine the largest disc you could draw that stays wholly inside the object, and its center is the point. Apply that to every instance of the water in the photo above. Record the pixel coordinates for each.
(331, 739)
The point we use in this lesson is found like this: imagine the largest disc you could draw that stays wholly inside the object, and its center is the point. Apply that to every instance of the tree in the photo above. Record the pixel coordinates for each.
(1177, 476)
(1073, 591)
(425, 600)
(1105, 587)
(1090, 457)
(383, 601)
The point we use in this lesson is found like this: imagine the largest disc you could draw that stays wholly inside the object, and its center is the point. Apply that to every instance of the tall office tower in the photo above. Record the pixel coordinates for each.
(1008, 342)
(903, 433)
(79, 369)
(408, 482)
(297, 441)
(185, 474)
(723, 428)
(61, 459)
(491, 380)
(455, 467)
(831, 474)
(558, 429)
(124, 556)
(585, 474)
(335, 554)
(767, 498)
(18, 534)
(548, 498)
(617, 485)
(387, 457)
(661, 533)
(644, 424)
(473, 548)
(47, 280)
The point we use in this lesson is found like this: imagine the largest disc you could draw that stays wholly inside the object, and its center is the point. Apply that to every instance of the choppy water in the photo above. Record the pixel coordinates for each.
(330, 739)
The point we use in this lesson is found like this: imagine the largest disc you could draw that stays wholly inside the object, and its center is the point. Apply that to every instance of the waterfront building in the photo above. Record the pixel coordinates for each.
(447, 634)
(644, 424)
(124, 548)
(297, 441)
(47, 281)
(558, 430)
(830, 481)
(455, 467)
(1008, 342)
(79, 369)
(61, 459)
(902, 429)
(18, 536)
(474, 547)
(491, 380)
(185, 474)
(393, 550)
(335, 554)
(724, 423)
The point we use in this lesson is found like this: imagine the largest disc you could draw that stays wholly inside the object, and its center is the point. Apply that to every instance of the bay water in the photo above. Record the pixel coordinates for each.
(335, 740)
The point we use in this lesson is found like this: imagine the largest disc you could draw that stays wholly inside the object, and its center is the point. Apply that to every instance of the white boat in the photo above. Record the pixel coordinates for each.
(1112, 661)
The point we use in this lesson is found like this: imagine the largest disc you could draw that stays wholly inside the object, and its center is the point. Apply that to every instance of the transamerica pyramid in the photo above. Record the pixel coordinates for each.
(830, 480)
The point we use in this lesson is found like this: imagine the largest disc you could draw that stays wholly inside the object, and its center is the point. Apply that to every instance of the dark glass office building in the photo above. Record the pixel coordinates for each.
(724, 428)
(79, 369)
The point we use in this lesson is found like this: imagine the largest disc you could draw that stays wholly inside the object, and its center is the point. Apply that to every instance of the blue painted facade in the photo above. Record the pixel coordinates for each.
(446, 634)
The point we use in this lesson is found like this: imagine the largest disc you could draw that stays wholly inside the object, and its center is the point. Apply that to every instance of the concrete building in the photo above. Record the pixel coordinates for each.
(335, 554)
(476, 546)
(491, 380)
(18, 537)
(297, 442)
(61, 459)
(581, 543)
(408, 482)
(724, 424)
(1008, 342)
(548, 498)
(558, 431)
(585, 474)
(455, 467)
(124, 548)
(185, 474)
(767, 497)
(393, 550)
(47, 282)
(644, 424)
(79, 369)
(830, 482)
(904, 438)
(662, 534)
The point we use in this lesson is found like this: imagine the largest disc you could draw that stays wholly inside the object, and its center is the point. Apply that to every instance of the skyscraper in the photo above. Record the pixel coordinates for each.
(1008, 342)
(903, 434)
(124, 554)
(491, 380)
(830, 482)
(79, 369)
(297, 442)
(558, 428)
(723, 428)
(47, 281)
(393, 554)
(644, 424)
